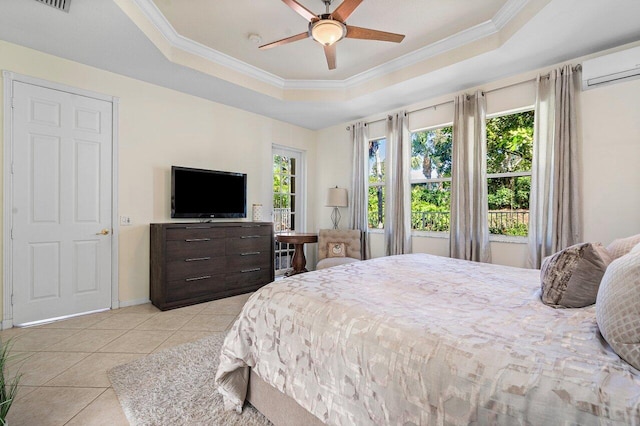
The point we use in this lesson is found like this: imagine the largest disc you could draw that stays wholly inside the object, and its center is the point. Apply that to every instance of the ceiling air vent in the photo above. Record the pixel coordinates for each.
(62, 5)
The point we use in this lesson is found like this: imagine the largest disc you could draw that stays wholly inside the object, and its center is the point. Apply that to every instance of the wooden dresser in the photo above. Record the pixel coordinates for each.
(196, 262)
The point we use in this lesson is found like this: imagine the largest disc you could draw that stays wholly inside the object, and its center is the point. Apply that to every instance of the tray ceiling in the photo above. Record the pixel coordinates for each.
(202, 47)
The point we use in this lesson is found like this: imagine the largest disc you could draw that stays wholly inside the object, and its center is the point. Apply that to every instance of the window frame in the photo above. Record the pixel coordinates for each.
(501, 237)
(382, 183)
(418, 232)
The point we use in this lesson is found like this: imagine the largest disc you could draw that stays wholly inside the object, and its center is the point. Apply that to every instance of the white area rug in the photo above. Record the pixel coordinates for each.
(176, 387)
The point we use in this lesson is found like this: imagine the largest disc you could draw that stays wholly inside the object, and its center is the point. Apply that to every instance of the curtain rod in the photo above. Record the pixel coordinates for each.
(408, 112)
(575, 68)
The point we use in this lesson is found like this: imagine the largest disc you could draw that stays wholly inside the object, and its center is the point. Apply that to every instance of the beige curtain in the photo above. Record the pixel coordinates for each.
(360, 185)
(555, 220)
(469, 233)
(397, 228)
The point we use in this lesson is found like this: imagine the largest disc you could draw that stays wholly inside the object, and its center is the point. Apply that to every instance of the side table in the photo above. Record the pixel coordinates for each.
(298, 262)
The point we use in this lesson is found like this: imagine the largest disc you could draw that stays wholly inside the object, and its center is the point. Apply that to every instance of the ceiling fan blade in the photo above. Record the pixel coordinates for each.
(369, 34)
(345, 9)
(330, 53)
(301, 10)
(291, 39)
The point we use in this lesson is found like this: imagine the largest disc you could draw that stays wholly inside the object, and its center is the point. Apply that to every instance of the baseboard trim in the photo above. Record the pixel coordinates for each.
(126, 303)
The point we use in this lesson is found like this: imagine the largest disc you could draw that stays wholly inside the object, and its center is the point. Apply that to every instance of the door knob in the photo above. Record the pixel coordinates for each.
(103, 232)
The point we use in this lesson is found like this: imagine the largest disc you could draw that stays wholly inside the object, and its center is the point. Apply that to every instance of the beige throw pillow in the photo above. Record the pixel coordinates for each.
(618, 307)
(622, 246)
(336, 250)
(571, 277)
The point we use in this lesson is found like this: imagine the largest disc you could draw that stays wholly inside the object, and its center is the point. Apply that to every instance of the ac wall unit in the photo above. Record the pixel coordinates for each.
(609, 69)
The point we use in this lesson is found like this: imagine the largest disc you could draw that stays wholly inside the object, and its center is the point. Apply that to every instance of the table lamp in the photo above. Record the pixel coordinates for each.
(336, 197)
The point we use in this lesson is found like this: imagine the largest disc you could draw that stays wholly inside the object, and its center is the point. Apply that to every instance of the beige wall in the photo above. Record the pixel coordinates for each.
(610, 154)
(158, 128)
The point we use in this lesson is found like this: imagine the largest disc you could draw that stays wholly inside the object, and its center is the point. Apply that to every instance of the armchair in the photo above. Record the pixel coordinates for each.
(338, 247)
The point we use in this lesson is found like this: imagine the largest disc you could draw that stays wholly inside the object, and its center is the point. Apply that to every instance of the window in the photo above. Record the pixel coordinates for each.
(377, 157)
(431, 179)
(509, 157)
(287, 205)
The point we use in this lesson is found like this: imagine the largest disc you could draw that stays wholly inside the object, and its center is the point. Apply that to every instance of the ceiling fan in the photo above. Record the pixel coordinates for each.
(329, 28)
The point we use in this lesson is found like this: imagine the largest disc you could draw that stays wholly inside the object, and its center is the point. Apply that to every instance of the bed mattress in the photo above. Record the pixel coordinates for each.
(420, 339)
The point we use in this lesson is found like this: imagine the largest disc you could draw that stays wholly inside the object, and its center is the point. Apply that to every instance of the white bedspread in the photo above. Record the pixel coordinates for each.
(419, 339)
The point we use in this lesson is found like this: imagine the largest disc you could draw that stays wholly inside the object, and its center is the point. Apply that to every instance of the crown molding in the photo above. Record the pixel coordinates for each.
(506, 13)
(153, 14)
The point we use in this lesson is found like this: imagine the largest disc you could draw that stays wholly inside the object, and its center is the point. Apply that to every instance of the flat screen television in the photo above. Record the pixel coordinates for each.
(205, 194)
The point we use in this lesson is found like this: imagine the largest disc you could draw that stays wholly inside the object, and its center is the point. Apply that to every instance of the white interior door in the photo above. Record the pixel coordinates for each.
(62, 189)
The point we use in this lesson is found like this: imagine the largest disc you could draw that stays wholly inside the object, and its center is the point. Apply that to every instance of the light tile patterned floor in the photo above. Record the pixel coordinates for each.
(64, 364)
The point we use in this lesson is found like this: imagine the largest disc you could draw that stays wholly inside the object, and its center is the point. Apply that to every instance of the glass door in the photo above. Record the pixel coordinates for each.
(287, 201)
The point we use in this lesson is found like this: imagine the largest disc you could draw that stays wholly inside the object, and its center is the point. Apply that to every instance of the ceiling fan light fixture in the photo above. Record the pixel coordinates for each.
(328, 31)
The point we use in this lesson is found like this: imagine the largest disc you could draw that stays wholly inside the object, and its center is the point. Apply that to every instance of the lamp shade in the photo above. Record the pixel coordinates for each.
(337, 197)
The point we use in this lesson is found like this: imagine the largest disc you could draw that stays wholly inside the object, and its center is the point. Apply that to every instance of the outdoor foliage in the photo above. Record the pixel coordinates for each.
(283, 182)
(377, 151)
(284, 190)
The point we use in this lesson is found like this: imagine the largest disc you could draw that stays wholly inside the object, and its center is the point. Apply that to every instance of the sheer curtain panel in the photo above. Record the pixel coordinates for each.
(397, 229)
(360, 185)
(555, 220)
(469, 233)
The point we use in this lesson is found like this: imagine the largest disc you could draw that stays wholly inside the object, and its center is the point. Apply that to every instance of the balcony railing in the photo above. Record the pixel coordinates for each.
(515, 222)
(281, 219)
(282, 222)
(430, 221)
(512, 222)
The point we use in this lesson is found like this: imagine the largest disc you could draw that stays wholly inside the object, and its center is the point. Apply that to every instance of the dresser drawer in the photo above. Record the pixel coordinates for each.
(182, 269)
(248, 244)
(194, 233)
(248, 230)
(249, 260)
(194, 249)
(251, 277)
(182, 290)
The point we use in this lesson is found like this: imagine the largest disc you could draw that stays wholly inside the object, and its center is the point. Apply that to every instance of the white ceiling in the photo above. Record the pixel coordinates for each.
(201, 47)
(225, 27)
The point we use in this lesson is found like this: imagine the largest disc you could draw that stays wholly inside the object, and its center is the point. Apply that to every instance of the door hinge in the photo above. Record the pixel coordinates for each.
(13, 102)
(12, 168)
(11, 233)
(12, 299)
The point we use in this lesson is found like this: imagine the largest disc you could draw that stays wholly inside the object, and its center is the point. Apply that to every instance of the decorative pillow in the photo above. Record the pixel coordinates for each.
(622, 246)
(618, 307)
(571, 277)
(336, 250)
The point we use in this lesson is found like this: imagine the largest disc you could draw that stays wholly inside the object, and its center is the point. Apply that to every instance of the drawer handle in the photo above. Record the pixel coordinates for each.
(250, 270)
(251, 253)
(197, 227)
(195, 259)
(251, 226)
(194, 240)
(244, 237)
(204, 277)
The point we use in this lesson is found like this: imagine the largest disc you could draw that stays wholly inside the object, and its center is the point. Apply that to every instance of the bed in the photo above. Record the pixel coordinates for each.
(421, 339)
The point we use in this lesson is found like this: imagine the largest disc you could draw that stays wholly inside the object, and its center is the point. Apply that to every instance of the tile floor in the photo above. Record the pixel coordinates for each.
(64, 364)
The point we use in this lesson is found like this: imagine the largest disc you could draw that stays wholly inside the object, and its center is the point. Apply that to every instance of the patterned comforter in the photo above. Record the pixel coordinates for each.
(420, 339)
